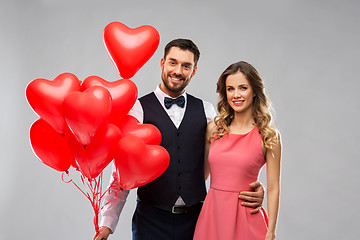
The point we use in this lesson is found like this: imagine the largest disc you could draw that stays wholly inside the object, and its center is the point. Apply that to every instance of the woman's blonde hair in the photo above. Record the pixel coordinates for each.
(261, 104)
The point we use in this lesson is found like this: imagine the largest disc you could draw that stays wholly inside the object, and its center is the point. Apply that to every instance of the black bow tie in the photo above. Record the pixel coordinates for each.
(180, 101)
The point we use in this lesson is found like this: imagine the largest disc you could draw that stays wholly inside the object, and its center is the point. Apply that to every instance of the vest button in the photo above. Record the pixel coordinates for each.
(178, 147)
(178, 134)
(179, 174)
(179, 161)
(179, 188)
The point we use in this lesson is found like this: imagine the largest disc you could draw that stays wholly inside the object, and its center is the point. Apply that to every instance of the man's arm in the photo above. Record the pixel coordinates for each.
(209, 132)
(116, 198)
(137, 111)
(103, 234)
(210, 111)
(114, 201)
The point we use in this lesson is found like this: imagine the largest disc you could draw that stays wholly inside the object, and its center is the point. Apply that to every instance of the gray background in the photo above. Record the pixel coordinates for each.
(306, 51)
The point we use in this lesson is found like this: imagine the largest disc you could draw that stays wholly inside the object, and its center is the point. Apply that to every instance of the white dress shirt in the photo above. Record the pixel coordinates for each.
(111, 212)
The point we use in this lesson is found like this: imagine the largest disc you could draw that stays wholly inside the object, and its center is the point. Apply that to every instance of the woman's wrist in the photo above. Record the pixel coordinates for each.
(270, 235)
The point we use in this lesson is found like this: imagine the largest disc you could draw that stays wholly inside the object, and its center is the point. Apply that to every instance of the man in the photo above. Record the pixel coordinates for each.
(168, 207)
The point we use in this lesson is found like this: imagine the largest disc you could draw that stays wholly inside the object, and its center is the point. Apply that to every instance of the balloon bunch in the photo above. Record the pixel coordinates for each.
(85, 124)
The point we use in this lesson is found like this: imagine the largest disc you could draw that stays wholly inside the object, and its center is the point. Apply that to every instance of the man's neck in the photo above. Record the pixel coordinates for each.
(170, 93)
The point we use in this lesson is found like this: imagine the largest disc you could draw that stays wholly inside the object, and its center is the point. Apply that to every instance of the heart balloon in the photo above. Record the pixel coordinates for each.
(137, 163)
(94, 157)
(128, 48)
(150, 134)
(123, 93)
(46, 98)
(85, 112)
(50, 146)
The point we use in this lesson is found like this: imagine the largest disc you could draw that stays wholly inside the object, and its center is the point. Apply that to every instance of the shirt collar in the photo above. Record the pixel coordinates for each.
(161, 95)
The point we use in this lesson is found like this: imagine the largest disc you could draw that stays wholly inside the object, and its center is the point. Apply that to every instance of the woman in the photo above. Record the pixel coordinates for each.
(242, 140)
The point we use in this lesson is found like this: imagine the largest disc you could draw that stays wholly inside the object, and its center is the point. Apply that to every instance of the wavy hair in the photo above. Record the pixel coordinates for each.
(261, 104)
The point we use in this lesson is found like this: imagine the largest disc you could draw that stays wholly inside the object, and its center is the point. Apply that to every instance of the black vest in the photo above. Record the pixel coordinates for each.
(185, 175)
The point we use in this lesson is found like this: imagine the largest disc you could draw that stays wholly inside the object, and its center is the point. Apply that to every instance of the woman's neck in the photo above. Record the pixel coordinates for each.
(243, 121)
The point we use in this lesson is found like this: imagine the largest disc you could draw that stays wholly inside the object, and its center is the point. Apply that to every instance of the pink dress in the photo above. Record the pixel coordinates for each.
(235, 161)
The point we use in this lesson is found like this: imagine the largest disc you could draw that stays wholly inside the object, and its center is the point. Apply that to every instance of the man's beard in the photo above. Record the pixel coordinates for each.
(176, 90)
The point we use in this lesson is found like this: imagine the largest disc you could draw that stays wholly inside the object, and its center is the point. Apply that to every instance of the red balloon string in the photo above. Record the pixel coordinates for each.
(110, 189)
(93, 193)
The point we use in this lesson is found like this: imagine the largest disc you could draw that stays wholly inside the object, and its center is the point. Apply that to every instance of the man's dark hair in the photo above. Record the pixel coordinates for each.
(183, 44)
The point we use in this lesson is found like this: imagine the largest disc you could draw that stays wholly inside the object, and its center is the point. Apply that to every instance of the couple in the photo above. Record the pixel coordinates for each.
(232, 147)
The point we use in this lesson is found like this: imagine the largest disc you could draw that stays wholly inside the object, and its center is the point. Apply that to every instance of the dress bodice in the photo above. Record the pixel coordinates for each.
(235, 161)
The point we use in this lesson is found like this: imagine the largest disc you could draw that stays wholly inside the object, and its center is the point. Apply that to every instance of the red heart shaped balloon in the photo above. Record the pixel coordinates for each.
(137, 163)
(94, 157)
(147, 132)
(123, 93)
(50, 146)
(46, 97)
(130, 48)
(85, 112)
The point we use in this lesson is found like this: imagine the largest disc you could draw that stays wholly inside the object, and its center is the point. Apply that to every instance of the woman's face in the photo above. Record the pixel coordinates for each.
(239, 93)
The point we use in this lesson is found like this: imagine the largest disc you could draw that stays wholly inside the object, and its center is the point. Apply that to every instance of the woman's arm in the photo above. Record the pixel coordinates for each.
(209, 132)
(273, 159)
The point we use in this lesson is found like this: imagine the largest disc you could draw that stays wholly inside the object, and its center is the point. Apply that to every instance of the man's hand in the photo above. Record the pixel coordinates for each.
(253, 199)
(104, 233)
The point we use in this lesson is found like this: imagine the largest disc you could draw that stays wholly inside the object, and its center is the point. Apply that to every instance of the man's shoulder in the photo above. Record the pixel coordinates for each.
(206, 103)
(194, 97)
(146, 95)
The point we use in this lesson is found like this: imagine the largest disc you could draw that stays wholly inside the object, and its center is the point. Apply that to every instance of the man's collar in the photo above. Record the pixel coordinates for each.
(161, 95)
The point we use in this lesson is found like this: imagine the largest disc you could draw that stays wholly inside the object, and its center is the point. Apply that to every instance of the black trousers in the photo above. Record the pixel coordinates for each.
(152, 223)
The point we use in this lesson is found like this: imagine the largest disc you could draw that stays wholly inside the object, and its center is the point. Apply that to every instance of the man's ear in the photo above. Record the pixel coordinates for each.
(162, 62)
(194, 71)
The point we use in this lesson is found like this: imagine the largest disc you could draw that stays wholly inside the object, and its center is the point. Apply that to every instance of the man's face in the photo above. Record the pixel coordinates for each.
(178, 68)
